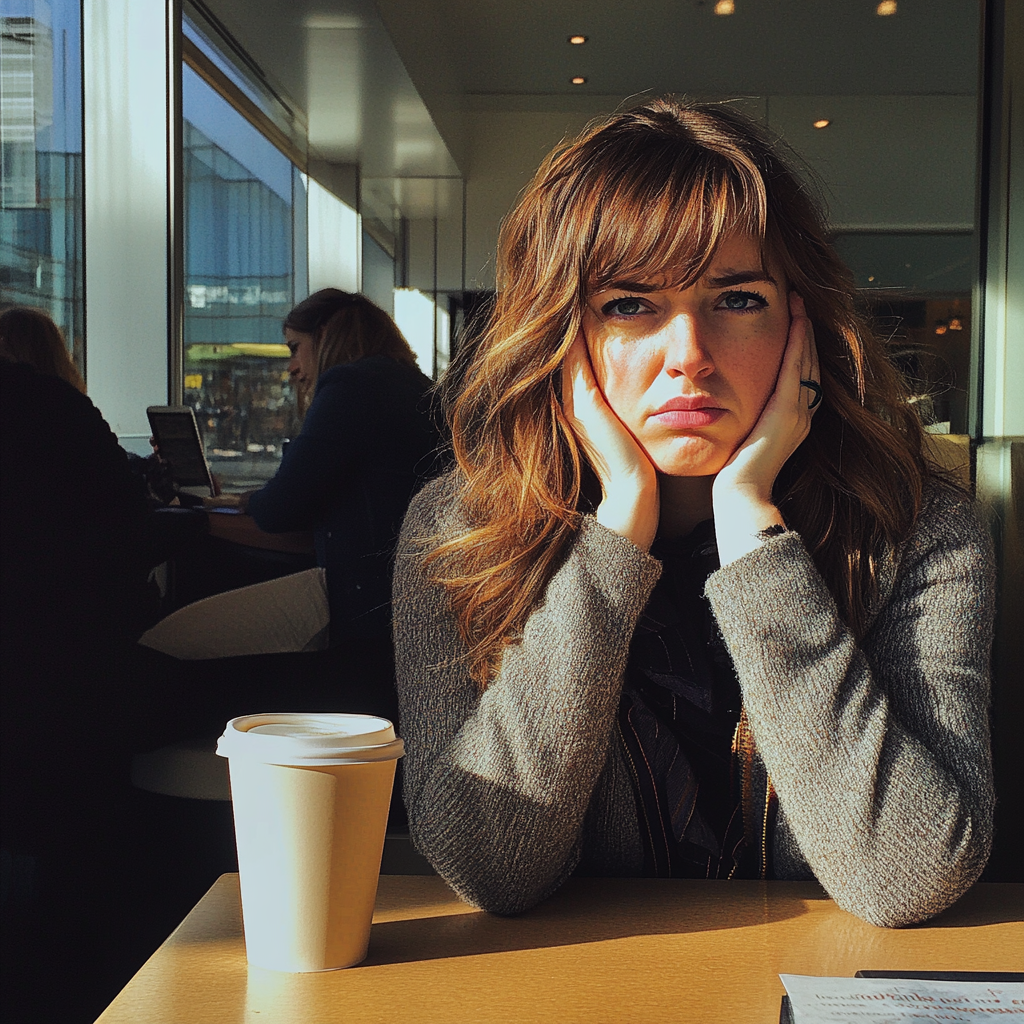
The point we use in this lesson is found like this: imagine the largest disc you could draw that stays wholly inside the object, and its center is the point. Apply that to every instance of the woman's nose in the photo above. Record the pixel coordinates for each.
(686, 351)
(293, 365)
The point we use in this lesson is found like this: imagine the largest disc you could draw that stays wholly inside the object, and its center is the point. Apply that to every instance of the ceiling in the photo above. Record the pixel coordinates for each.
(413, 68)
(801, 47)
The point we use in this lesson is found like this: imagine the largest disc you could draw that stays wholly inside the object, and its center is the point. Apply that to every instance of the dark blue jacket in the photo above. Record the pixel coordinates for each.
(367, 443)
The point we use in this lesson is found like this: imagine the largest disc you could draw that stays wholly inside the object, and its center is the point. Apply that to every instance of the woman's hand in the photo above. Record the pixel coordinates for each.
(223, 501)
(239, 501)
(742, 492)
(628, 478)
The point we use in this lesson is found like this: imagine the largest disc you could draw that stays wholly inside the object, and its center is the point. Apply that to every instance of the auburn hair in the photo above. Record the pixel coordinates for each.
(652, 192)
(346, 327)
(30, 336)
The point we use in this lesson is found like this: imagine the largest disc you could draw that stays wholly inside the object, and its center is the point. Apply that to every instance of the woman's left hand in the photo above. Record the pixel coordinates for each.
(742, 492)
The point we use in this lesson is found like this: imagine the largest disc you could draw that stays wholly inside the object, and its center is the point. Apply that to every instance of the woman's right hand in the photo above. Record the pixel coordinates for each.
(223, 501)
(628, 479)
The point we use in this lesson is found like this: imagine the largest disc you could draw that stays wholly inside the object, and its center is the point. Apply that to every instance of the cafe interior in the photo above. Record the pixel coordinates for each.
(178, 174)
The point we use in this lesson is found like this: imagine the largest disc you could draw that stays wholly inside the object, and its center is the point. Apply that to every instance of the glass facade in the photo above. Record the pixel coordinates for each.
(244, 214)
(41, 200)
(918, 288)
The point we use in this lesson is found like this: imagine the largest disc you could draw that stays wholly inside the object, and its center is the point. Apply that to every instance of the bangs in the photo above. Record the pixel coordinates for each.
(649, 225)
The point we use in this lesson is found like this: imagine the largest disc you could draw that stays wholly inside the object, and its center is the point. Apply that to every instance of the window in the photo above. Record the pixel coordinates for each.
(918, 288)
(414, 315)
(41, 204)
(244, 242)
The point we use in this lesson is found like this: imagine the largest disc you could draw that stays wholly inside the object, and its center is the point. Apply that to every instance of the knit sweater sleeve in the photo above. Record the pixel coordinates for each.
(497, 783)
(880, 752)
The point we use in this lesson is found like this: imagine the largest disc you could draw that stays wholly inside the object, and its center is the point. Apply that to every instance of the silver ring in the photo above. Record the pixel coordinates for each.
(816, 388)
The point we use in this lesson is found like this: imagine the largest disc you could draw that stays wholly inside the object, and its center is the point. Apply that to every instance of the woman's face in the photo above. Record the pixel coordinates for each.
(302, 365)
(689, 370)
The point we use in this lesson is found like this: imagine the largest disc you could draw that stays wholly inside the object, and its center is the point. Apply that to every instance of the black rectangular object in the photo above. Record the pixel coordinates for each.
(991, 977)
(177, 437)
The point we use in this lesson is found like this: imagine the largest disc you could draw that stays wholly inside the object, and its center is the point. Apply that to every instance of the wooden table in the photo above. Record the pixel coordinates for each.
(600, 950)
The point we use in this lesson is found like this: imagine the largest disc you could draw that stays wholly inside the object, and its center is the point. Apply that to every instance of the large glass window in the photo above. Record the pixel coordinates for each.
(918, 288)
(41, 201)
(243, 271)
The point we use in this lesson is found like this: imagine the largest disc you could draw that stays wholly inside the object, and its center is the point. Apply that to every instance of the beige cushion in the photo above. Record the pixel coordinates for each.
(286, 614)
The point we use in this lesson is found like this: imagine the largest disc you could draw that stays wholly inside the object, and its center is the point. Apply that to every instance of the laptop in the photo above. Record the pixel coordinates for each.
(177, 436)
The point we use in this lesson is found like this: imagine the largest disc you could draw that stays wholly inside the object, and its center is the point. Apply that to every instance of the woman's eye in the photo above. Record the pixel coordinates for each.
(623, 307)
(743, 302)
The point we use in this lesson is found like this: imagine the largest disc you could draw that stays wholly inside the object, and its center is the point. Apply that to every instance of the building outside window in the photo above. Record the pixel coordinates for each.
(41, 199)
(244, 218)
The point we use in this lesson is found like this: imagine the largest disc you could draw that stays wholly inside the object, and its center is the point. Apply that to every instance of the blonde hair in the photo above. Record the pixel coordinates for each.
(654, 191)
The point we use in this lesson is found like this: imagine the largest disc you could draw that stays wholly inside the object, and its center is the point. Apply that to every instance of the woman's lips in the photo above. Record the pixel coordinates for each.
(681, 413)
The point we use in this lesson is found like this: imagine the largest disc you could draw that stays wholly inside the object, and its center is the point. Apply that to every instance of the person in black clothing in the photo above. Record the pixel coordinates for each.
(367, 442)
(29, 336)
(73, 569)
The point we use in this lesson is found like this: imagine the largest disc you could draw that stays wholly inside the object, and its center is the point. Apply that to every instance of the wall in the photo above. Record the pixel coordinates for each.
(506, 148)
(126, 210)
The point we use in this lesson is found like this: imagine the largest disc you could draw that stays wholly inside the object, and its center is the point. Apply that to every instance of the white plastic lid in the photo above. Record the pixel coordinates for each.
(310, 739)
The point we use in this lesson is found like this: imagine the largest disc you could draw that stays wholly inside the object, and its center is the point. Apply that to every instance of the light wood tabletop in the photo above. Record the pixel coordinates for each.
(600, 950)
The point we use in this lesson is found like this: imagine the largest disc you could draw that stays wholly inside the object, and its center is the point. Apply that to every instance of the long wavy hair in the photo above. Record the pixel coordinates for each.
(346, 327)
(652, 192)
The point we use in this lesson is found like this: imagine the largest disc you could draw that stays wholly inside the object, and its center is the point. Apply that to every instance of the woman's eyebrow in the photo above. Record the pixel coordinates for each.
(731, 278)
(633, 286)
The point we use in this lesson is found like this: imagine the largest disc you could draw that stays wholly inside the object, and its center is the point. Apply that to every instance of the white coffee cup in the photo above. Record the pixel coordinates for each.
(310, 795)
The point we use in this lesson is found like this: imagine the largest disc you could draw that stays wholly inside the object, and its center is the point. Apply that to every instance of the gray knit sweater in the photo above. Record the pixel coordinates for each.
(879, 753)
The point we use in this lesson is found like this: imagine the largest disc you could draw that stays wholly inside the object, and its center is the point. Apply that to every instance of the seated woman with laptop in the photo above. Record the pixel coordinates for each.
(367, 442)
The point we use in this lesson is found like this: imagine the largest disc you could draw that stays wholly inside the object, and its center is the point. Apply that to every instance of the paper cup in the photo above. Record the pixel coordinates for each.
(310, 795)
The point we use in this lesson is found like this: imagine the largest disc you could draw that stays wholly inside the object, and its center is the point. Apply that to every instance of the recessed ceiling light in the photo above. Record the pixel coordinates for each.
(579, 80)
(725, 7)
(577, 40)
(822, 122)
(885, 8)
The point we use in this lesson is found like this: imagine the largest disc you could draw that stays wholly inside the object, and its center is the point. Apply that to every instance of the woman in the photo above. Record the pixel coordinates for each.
(366, 442)
(587, 684)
